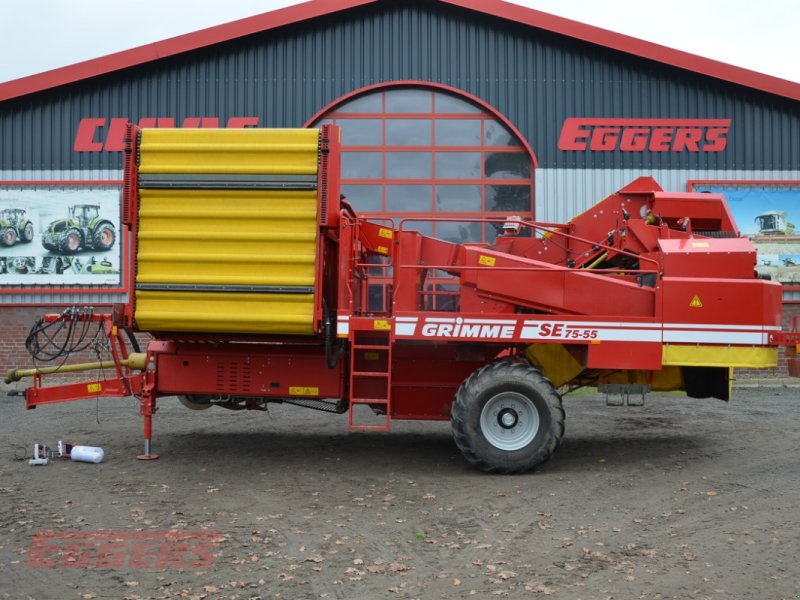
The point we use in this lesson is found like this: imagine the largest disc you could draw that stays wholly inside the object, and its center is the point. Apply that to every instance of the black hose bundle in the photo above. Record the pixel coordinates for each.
(68, 334)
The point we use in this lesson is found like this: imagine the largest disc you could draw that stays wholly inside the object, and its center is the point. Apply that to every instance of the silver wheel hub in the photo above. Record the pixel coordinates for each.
(509, 421)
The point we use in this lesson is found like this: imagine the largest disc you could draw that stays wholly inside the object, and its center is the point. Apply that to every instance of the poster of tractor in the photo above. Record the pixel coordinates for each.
(64, 236)
(768, 214)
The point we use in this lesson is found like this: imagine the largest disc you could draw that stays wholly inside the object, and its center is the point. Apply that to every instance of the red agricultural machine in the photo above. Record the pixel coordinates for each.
(258, 284)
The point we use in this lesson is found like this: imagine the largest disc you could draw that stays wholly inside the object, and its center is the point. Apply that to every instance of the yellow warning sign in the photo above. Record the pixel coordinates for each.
(488, 261)
(696, 303)
(385, 233)
(303, 390)
(381, 324)
(94, 388)
(382, 250)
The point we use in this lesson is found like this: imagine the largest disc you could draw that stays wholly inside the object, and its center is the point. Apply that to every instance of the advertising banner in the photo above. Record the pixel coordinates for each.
(65, 236)
(768, 214)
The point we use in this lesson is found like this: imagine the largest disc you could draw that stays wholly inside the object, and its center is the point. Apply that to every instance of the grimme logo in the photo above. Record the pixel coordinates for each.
(642, 135)
(100, 134)
(468, 328)
(123, 549)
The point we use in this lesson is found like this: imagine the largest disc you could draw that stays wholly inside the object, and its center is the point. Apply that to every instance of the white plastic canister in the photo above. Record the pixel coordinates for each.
(90, 454)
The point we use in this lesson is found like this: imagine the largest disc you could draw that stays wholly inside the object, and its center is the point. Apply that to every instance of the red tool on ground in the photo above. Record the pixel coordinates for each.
(258, 284)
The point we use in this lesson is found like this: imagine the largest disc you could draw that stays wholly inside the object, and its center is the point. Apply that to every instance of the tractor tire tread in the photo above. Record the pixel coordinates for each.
(497, 373)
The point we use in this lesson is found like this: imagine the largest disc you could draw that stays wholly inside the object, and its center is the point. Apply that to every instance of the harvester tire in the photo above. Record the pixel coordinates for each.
(8, 237)
(26, 233)
(71, 241)
(195, 402)
(507, 418)
(103, 237)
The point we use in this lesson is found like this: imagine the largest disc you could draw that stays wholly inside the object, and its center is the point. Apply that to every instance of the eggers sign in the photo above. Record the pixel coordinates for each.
(644, 135)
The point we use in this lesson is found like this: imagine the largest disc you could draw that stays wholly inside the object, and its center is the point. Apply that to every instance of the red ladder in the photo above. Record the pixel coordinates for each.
(371, 375)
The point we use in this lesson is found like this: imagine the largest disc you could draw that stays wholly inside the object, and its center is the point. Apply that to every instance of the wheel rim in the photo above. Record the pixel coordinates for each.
(73, 242)
(9, 238)
(105, 237)
(509, 421)
(29, 231)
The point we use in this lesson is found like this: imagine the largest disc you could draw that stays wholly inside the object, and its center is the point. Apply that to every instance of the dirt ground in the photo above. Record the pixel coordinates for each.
(678, 499)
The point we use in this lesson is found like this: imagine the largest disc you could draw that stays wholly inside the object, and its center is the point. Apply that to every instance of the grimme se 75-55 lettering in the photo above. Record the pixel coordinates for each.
(259, 284)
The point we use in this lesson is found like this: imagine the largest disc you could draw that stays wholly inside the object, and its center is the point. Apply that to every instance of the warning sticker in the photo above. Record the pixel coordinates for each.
(488, 261)
(303, 391)
(696, 303)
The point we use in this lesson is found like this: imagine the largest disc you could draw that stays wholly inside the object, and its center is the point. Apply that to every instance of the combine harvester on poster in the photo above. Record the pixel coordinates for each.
(253, 277)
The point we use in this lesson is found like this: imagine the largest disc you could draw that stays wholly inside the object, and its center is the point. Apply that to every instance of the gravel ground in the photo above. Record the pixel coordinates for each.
(678, 499)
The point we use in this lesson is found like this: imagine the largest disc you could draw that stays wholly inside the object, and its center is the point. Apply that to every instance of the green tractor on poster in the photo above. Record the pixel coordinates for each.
(84, 229)
(14, 227)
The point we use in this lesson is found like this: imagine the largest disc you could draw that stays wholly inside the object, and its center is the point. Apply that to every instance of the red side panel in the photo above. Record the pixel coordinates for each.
(733, 258)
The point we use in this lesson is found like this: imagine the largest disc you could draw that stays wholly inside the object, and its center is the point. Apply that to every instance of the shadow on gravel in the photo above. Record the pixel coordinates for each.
(412, 453)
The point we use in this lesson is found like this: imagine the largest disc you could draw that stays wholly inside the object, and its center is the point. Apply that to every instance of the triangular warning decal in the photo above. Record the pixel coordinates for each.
(695, 303)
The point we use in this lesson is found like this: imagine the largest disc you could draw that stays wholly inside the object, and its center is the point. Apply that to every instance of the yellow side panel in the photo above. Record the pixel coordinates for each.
(556, 363)
(667, 379)
(231, 237)
(229, 151)
(720, 356)
(223, 312)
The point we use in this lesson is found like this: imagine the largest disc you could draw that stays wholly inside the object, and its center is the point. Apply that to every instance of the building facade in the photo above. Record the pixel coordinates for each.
(455, 108)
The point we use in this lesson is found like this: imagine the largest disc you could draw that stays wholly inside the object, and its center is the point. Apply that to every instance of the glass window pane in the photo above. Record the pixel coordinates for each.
(364, 198)
(498, 134)
(372, 103)
(361, 165)
(491, 231)
(408, 132)
(424, 227)
(408, 165)
(445, 103)
(508, 198)
(458, 198)
(459, 232)
(458, 165)
(408, 198)
(409, 101)
(508, 165)
(361, 132)
(458, 132)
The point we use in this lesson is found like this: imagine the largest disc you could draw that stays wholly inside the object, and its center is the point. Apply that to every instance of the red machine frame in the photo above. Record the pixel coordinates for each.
(640, 271)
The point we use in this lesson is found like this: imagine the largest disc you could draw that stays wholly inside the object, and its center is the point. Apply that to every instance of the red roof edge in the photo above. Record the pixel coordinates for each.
(632, 45)
(174, 45)
(317, 8)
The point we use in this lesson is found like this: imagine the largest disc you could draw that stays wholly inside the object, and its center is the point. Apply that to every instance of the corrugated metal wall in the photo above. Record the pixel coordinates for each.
(563, 193)
(535, 78)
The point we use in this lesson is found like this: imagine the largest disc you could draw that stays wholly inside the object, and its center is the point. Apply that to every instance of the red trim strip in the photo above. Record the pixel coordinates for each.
(16, 183)
(693, 183)
(175, 45)
(317, 8)
(632, 45)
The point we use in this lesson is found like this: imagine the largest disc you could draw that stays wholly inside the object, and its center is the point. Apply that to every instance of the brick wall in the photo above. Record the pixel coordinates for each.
(16, 323)
(789, 311)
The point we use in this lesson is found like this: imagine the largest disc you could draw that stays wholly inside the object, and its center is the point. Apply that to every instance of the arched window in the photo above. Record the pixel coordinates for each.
(418, 152)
